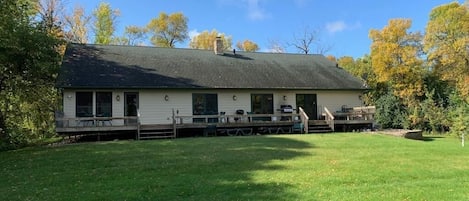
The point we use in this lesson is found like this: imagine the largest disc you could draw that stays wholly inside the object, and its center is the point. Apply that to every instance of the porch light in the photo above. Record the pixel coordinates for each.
(118, 98)
(235, 97)
(166, 98)
(284, 98)
(69, 96)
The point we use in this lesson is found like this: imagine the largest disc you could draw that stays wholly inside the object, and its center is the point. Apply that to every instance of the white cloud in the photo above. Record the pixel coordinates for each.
(255, 11)
(339, 26)
(253, 8)
(336, 26)
(193, 33)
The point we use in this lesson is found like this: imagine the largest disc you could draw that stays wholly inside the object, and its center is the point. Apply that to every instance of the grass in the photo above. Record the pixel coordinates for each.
(283, 167)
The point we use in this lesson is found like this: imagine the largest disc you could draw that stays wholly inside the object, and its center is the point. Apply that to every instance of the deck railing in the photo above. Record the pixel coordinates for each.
(356, 113)
(68, 122)
(237, 119)
(329, 118)
(304, 119)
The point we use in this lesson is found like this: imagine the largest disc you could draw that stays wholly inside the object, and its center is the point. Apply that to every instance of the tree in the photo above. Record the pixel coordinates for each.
(76, 26)
(167, 30)
(104, 23)
(49, 12)
(29, 61)
(459, 113)
(361, 68)
(331, 58)
(135, 35)
(275, 46)
(306, 39)
(390, 112)
(247, 46)
(446, 43)
(434, 113)
(206, 39)
(396, 57)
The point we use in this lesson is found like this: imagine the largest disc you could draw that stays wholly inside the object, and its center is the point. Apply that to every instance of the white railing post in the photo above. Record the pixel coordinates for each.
(304, 119)
(174, 125)
(329, 118)
(138, 124)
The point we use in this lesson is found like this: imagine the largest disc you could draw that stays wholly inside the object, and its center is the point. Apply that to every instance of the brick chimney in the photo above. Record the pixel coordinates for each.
(218, 46)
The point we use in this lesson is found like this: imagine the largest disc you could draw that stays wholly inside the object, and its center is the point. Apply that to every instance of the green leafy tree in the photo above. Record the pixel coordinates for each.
(390, 111)
(167, 30)
(29, 61)
(206, 39)
(434, 113)
(459, 115)
(104, 23)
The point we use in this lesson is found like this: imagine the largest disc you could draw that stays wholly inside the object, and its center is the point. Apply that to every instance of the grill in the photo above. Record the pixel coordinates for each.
(238, 112)
(286, 109)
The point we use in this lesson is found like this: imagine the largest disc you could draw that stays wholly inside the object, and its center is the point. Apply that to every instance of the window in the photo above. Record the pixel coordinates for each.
(262, 103)
(84, 104)
(205, 104)
(104, 104)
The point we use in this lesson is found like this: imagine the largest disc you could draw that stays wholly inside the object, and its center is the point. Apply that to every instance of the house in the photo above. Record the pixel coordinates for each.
(113, 87)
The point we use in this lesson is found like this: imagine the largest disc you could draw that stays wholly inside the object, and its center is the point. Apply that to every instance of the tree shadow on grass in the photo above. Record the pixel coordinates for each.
(224, 168)
(234, 169)
(431, 138)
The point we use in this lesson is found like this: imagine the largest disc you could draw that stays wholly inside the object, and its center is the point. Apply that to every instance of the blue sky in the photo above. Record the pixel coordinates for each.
(342, 25)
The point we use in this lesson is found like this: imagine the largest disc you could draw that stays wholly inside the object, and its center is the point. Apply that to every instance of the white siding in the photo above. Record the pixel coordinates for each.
(69, 104)
(334, 100)
(154, 109)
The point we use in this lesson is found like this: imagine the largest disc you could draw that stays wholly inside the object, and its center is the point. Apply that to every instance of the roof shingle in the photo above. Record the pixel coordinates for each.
(108, 66)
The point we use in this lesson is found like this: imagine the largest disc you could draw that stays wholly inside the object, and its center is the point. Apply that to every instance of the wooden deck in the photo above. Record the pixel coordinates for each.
(219, 124)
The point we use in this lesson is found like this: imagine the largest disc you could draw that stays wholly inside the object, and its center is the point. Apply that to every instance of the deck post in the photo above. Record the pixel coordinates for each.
(304, 119)
(330, 118)
(174, 125)
(138, 124)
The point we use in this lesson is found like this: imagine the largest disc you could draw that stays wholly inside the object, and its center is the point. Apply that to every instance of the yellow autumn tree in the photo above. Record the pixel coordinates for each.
(247, 46)
(396, 57)
(167, 30)
(76, 26)
(446, 43)
(206, 39)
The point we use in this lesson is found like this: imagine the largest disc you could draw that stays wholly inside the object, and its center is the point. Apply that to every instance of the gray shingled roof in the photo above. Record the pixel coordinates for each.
(107, 66)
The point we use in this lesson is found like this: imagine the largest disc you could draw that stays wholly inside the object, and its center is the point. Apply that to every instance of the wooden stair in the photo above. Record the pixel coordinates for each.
(148, 132)
(319, 126)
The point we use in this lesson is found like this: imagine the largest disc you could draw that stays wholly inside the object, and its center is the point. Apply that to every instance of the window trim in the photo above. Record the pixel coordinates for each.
(99, 114)
(88, 108)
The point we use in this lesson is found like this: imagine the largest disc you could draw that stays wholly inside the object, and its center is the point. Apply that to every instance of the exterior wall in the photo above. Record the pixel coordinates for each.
(69, 104)
(334, 100)
(154, 109)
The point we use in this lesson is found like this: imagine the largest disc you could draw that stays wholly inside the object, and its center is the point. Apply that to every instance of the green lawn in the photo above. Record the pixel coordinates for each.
(282, 167)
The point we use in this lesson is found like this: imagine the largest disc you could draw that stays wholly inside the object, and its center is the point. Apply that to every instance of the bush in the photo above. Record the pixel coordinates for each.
(390, 111)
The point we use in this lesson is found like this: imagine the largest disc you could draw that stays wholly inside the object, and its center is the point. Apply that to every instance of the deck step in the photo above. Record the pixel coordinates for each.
(155, 137)
(156, 132)
(319, 131)
(148, 132)
(319, 128)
